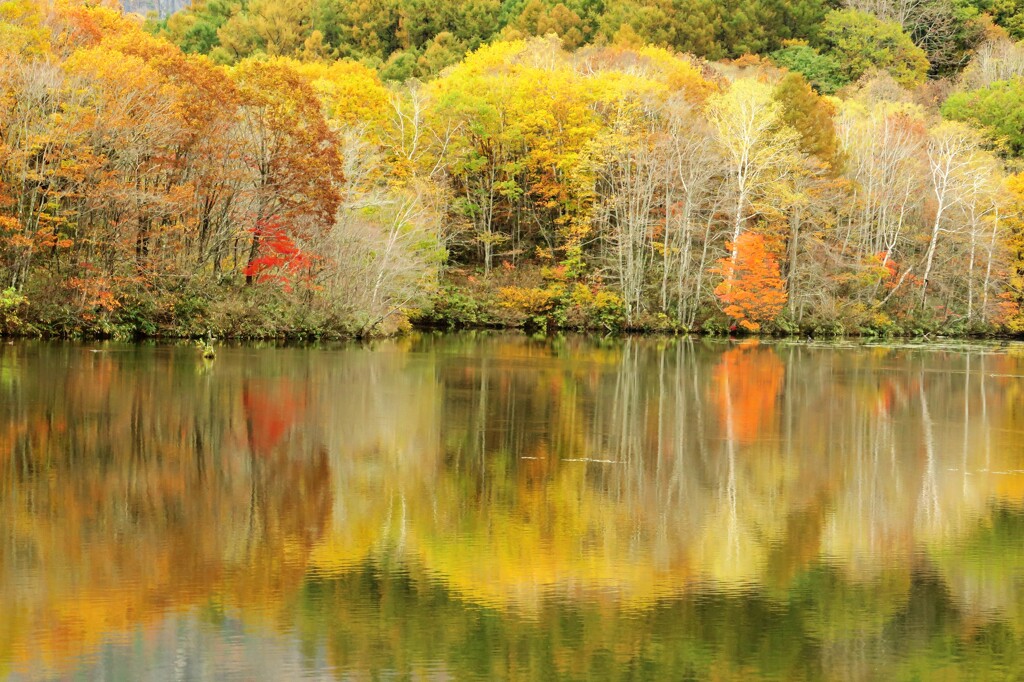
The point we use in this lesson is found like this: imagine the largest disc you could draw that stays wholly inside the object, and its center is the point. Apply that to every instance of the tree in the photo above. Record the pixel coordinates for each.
(886, 166)
(821, 71)
(482, 156)
(540, 19)
(947, 31)
(998, 107)
(980, 205)
(811, 117)
(1007, 14)
(862, 42)
(289, 150)
(1012, 301)
(752, 289)
(651, 167)
(693, 196)
(628, 162)
(756, 143)
(951, 149)
(996, 59)
(194, 28)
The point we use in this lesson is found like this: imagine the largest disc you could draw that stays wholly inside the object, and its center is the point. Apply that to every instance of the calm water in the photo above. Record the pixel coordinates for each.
(496, 507)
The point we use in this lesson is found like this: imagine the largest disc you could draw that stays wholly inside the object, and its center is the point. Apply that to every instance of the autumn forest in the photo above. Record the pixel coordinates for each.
(312, 168)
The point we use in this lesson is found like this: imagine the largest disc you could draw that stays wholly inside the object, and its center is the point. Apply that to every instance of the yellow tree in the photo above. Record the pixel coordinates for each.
(512, 120)
(472, 119)
(628, 162)
(132, 122)
(757, 146)
(1013, 299)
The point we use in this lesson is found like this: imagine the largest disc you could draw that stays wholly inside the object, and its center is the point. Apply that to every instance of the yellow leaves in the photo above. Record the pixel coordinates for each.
(119, 70)
(748, 119)
(352, 94)
(21, 29)
(680, 72)
(489, 58)
(531, 301)
(1008, 309)
(619, 95)
(127, 91)
(619, 72)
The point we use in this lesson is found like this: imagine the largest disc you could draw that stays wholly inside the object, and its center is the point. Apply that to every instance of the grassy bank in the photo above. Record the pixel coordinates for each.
(538, 299)
(190, 311)
(532, 298)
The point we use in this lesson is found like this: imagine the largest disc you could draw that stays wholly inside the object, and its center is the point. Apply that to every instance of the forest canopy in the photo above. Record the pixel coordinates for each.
(312, 167)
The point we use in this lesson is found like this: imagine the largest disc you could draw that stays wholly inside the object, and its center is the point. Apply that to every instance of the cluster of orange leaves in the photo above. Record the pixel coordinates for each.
(752, 288)
(96, 291)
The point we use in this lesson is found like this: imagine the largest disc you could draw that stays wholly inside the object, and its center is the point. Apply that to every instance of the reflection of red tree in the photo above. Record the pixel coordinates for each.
(270, 409)
(748, 379)
(888, 396)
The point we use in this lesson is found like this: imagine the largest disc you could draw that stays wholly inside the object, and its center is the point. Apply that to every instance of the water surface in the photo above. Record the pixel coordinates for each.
(499, 507)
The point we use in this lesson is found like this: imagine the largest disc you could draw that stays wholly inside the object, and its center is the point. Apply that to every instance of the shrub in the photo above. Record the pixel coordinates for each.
(12, 309)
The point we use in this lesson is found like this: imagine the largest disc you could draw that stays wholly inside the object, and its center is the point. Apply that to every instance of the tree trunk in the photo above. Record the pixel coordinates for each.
(794, 239)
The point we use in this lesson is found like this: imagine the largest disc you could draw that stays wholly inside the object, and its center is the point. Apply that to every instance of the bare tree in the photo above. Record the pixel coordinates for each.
(951, 146)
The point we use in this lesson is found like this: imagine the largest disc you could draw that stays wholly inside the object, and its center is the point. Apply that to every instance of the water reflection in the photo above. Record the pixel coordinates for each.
(493, 506)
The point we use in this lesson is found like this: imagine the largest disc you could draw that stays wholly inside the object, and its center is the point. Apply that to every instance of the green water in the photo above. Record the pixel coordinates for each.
(498, 507)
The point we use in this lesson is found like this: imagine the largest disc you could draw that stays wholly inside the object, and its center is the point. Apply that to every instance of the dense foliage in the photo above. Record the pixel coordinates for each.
(262, 176)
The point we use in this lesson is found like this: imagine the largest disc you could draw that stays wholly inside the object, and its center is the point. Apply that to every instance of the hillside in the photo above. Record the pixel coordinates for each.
(405, 38)
(291, 168)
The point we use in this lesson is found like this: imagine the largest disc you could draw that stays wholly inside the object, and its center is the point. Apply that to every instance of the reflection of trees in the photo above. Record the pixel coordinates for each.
(739, 466)
(130, 491)
(606, 492)
(742, 466)
(745, 383)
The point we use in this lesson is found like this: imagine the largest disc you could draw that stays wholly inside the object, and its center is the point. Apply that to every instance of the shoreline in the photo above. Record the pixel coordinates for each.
(308, 336)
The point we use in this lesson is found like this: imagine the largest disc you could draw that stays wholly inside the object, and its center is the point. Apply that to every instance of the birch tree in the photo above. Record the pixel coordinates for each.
(758, 148)
(951, 148)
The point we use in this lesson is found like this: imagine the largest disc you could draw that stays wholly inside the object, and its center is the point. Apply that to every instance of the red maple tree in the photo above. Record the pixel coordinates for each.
(279, 260)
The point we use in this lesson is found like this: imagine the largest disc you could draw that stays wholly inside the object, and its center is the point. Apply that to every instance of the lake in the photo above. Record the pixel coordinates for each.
(491, 506)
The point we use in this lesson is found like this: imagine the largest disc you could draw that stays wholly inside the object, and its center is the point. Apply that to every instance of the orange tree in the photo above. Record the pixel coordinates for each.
(752, 288)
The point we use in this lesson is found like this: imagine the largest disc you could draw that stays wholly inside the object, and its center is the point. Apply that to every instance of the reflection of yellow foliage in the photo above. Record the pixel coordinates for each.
(356, 533)
(1009, 487)
(560, 537)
